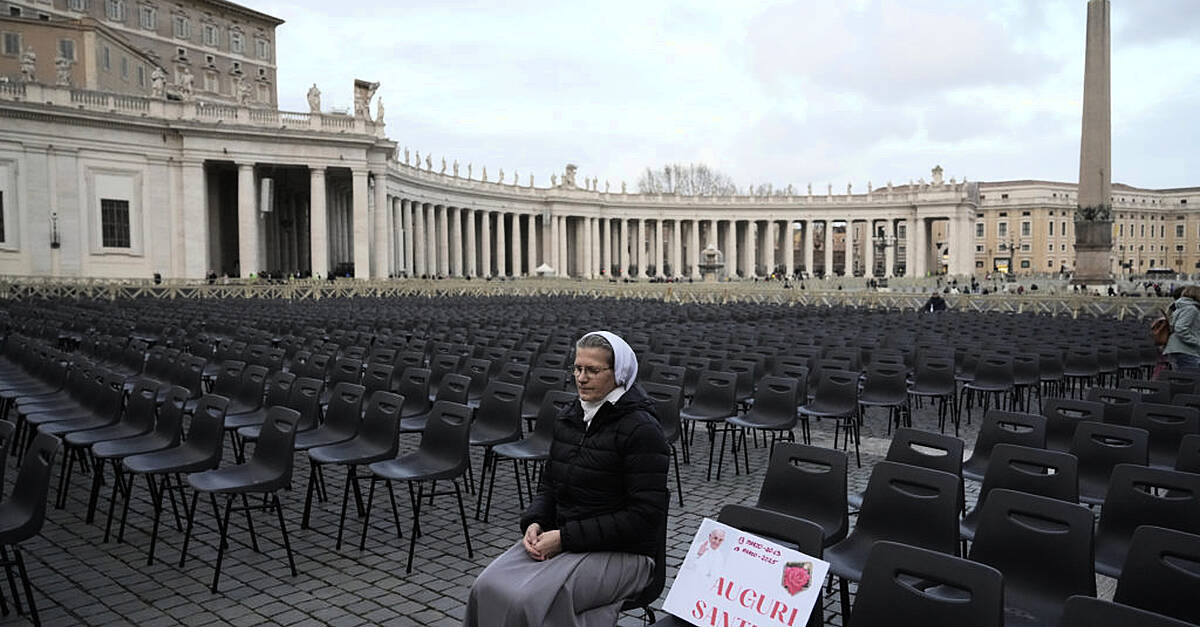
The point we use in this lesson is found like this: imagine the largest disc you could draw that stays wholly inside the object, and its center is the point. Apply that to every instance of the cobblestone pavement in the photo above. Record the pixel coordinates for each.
(80, 579)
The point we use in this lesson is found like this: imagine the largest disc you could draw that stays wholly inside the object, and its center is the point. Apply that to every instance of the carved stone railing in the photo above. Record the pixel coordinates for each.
(174, 110)
(1070, 305)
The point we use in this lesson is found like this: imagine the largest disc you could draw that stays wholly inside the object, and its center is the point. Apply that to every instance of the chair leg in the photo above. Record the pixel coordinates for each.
(12, 582)
(678, 482)
(395, 510)
(308, 496)
(287, 545)
(222, 544)
(366, 519)
(491, 487)
(250, 523)
(94, 495)
(483, 472)
(187, 536)
(156, 497)
(520, 490)
(33, 613)
(462, 514)
(844, 592)
(412, 539)
(350, 478)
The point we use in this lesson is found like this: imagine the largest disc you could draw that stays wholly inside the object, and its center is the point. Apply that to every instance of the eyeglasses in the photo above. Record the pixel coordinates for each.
(591, 371)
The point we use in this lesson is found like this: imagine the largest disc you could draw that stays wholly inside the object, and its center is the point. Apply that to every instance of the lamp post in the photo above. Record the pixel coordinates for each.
(881, 243)
(54, 240)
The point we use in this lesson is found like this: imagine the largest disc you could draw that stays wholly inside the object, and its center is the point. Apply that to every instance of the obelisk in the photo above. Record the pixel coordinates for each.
(1093, 216)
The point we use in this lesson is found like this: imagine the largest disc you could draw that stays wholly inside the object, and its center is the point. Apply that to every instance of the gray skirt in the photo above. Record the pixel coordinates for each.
(569, 589)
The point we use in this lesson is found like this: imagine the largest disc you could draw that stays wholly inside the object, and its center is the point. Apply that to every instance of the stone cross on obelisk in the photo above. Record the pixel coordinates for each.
(1093, 217)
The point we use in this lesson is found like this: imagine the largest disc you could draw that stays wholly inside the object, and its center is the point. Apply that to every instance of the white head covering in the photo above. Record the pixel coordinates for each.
(625, 365)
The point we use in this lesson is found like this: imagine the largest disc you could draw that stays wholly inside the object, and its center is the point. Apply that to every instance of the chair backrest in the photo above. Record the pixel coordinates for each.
(1181, 381)
(1039, 544)
(1162, 573)
(7, 429)
(228, 377)
(934, 372)
(542, 380)
(512, 372)
(275, 444)
(381, 420)
(478, 370)
(378, 377)
(410, 359)
(1167, 425)
(414, 387)
(808, 482)
(500, 409)
(795, 532)
(169, 424)
(250, 387)
(1140, 495)
(279, 388)
(345, 408)
(1101, 446)
(140, 406)
(553, 403)
(1005, 427)
(207, 428)
(1118, 403)
(345, 370)
(667, 399)
(895, 590)
(1086, 611)
(447, 433)
(669, 375)
(28, 498)
(913, 505)
(1150, 391)
(776, 398)
(994, 370)
(716, 392)
(837, 390)
(1053, 474)
(926, 449)
(305, 397)
(455, 388)
(1062, 414)
(439, 365)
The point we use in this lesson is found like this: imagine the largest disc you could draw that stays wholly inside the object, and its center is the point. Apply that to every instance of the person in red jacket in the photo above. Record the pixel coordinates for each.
(589, 534)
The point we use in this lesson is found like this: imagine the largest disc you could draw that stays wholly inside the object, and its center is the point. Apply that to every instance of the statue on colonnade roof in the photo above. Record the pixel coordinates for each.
(314, 101)
(363, 92)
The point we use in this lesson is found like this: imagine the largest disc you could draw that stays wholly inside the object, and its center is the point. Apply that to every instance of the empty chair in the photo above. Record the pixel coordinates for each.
(1042, 546)
(441, 456)
(1167, 424)
(497, 420)
(1001, 427)
(541, 381)
(1188, 459)
(533, 448)
(378, 377)
(1162, 573)
(1086, 611)
(414, 387)
(1053, 474)
(837, 397)
(893, 590)
(903, 503)
(1149, 391)
(1081, 368)
(24, 511)
(886, 386)
(267, 471)
(1181, 381)
(927, 450)
(773, 411)
(1118, 403)
(478, 370)
(1062, 414)
(377, 440)
(342, 419)
(808, 482)
(993, 380)
(439, 366)
(1099, 447)
(512, 372)
(667, 399)
(1140, 495)
(714, 401)
(933, 378)
(669, 375)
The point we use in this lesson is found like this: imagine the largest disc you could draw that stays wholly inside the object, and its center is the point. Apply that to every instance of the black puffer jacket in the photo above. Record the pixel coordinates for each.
(605, 488)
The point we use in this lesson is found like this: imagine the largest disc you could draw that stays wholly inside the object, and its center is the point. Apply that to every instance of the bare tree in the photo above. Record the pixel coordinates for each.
(693, 179)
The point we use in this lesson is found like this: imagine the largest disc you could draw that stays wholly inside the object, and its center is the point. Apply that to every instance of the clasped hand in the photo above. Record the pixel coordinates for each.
(542, 546)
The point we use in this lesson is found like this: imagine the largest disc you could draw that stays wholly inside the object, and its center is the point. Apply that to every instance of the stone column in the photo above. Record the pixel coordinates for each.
(563, 248)
(469, 245)
(694, 249)
(456, 241)
(431, 239)
(410, 258)
(731, 255)
(772, 244)
(789, 250)
(642, 261)
(195, 219)
(624, 252)
(751, 249)
(379, 269)
(869, 251)
(921, 264)
(829, 248)
(501, 245)
(659, 256)
(711, 240)
(420, 241)
(555, 257)
(361, 244)
(317, 223)
(889, 234)
(395, 237)
(606, 246)
(910, 246)
(808, 246)
(485, 244)
(531, 245)
(677, 248)
(248, 246)
(515, 239)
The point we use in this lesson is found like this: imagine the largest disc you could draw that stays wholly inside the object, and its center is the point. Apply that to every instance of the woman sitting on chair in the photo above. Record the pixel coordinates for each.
(590, 533)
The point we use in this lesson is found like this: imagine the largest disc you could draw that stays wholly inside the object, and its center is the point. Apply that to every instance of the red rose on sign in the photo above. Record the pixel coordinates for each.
(797, 576)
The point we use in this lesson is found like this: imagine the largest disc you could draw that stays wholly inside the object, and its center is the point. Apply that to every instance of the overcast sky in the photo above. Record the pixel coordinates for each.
(821, 91)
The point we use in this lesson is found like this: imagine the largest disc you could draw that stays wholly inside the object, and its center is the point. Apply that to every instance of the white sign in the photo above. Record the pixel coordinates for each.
(732, 578)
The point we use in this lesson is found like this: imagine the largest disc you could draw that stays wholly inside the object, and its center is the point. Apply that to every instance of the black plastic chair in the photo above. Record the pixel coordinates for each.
(1167, 424)
(1042, 546)
(1052, 474)
(1181, 381)
(773, 412)
(667, 399)
(414, 387)
(808, 482)
(1188, 459)
(1099, 447)
(1139, 495)
(669, 375)
(541, 380)
(23, 513)
(1084, 611)
(658, 576)
(443, 455)
(342, 419)
(894, 586)
(1149, 391)
(268, 471)
(1062, 414)
(532, 449)
(201, 451)
(137, 419)
(378, 377)
(377, 440)
(497, 420)
(993, 379)
(1118, 404)
(1162, 573)
(934, 379)
(927, 450)
(1003, 427)
(837, 397)
(906, 504)
(714, 400)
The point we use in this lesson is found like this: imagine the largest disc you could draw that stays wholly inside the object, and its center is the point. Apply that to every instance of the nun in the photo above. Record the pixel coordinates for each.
(590, 533)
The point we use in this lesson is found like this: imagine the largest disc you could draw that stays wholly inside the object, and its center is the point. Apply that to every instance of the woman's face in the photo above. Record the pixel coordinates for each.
(593, 376)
